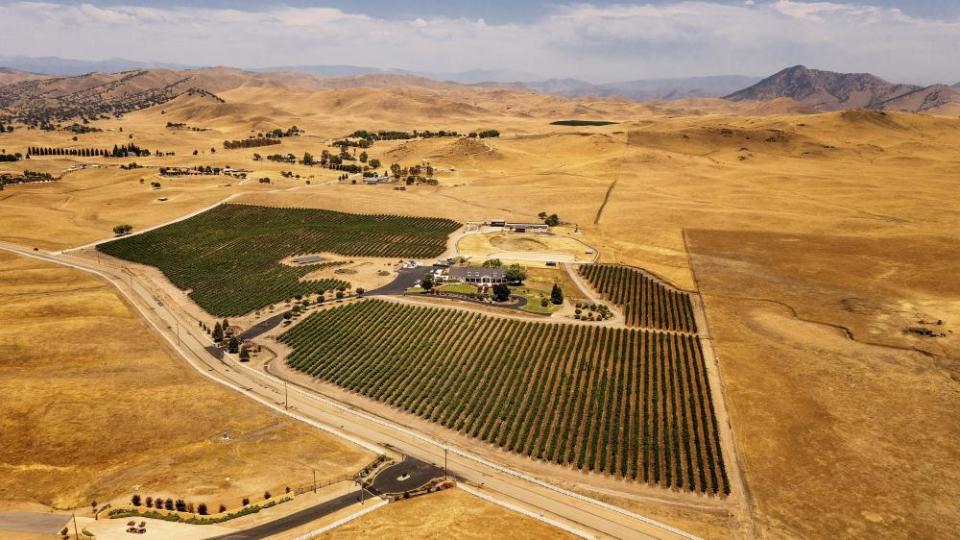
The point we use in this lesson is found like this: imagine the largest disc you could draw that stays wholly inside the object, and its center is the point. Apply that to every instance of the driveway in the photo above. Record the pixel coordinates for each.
(407, 475)
(262, 327)
(406, 278)
(298, 519)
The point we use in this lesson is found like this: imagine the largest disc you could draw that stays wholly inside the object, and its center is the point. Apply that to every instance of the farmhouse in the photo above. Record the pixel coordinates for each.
(524, 227)
(482, 276)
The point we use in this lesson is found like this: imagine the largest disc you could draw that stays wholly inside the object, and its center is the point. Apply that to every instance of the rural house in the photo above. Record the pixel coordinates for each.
(480, 276)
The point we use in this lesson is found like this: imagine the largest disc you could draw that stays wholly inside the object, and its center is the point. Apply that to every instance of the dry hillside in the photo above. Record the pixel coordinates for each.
(820, 242)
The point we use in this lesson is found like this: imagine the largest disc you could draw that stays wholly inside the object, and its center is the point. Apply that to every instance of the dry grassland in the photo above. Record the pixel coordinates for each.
(816, 240)
(95, 406)
(447, 514)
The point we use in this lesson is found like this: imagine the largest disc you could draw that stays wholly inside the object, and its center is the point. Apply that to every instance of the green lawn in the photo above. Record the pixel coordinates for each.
(458, 288)
(533, 297)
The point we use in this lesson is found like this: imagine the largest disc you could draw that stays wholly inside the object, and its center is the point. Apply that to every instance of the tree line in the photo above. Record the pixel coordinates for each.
(126, 150)
(250, 142)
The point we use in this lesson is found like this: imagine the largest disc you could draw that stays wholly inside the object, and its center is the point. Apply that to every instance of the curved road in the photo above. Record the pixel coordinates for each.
(360, 427)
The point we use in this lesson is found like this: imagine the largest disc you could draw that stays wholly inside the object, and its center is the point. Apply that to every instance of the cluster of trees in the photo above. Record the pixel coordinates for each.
(180, 171)
(278, 133)
(180, 505)
(121, 230)
(485, 133)
(250, 142)
(82, 128)
(182, 125)
(170, 504)
(5, 129)
(415, 174)
(365, 139)
(552, 220)
(128, 150)
(133, 165)
(4, 156)
(597, 312)
(282, 158)
(25, 177)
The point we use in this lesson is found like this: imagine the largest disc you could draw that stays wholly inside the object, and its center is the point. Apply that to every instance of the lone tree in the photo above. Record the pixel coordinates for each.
(244, 355)
(552, 220)
(515, 273)
(426, 283)
(202, 509)
(233, 346)
(501, 293)
(217, 333)
(556, 295)
(135, 500)
(121, 230)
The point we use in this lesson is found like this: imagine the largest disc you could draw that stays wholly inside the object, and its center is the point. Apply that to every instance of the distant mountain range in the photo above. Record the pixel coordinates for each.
(639, 90)
(647, 90)
(53, 65)
(819, 90)
(831, 91)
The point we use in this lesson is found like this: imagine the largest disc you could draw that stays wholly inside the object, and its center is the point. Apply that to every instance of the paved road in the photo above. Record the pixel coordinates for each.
(359, 426)
(406, 278)
(262, 327)
(407, 475)
(298, 519)
(32, 522)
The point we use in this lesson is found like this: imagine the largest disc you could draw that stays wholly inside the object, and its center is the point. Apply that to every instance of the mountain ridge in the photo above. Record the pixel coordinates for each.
(834, 91)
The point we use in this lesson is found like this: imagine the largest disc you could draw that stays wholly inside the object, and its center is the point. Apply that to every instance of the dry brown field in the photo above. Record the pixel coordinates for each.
(447, 514)
(816, 240)
(95, 407)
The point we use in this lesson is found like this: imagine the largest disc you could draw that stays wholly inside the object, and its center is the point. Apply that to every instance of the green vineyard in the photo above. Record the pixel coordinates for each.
(625, 402)
(645, 302)
(229, 257)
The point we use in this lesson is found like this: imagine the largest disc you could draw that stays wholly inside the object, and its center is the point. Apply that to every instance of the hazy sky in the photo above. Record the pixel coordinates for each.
(911, 41)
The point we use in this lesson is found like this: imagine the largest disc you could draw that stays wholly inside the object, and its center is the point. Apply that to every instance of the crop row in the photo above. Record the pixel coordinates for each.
(644, 301)
(626, 402)
(229, 257)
